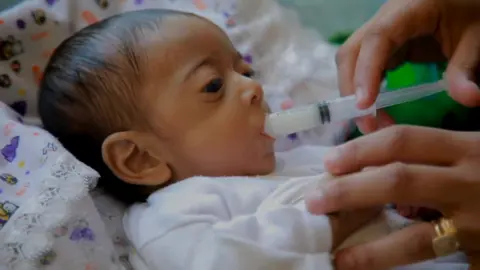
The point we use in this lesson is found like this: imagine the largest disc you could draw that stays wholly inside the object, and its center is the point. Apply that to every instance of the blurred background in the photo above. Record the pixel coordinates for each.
(320, 14)
(7, 3)
(333, 17)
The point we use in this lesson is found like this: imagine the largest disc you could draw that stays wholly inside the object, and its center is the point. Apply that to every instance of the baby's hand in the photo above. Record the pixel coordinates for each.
(346, 223)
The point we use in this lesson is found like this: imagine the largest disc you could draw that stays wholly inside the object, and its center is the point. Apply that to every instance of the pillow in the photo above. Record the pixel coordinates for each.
(47, 217)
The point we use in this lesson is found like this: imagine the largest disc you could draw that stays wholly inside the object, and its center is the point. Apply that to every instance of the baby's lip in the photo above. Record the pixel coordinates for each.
(266, 135)
(263, 133)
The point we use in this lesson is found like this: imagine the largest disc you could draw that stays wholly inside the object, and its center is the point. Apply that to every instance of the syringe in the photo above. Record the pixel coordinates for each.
(344, 108)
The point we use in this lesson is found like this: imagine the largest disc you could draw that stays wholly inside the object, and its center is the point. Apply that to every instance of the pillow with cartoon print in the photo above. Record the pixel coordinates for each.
(47, 217)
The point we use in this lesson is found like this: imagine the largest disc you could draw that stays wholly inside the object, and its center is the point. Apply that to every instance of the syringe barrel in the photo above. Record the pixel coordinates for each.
(293, 120)
(345, 108)
(314, 115)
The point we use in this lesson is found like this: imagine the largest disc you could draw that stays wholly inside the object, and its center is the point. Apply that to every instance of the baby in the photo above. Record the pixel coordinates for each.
(163, 106)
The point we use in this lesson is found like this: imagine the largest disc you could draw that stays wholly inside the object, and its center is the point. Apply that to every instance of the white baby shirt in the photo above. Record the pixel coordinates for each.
(206, 223)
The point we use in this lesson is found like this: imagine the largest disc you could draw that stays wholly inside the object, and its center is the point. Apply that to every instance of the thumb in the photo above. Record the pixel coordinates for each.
(461, 69)
(410, 245)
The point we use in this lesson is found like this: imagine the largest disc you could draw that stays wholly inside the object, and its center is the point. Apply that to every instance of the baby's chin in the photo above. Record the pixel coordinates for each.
(267, 166)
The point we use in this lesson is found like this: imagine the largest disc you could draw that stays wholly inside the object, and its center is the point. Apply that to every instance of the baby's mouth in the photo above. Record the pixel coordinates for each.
(265, 134)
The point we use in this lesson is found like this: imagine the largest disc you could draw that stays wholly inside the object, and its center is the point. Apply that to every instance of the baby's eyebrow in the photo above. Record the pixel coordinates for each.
(239, 56)
(201, 63)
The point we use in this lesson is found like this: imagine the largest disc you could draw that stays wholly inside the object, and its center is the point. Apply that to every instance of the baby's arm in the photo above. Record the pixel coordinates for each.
(212, 226)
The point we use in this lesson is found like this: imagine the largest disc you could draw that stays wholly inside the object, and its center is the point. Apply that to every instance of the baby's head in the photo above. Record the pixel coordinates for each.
(151, 97)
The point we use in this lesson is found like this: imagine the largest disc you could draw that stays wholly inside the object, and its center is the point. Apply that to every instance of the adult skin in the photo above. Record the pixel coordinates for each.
(416, 31)
(409, 165)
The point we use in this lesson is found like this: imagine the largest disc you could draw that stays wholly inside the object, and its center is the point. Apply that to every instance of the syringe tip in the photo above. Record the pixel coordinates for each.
(267, 128)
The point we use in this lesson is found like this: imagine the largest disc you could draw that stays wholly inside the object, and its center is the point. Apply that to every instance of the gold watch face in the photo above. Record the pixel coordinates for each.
(445, 245)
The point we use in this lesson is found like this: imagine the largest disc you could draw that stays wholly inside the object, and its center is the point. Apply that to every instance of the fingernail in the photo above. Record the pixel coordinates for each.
(362, 128)
(366, 127)
(360, 95)
(314, 201)
(333, 155)
(384, 121)
(315, 194)
(332, 158)
(466, 83)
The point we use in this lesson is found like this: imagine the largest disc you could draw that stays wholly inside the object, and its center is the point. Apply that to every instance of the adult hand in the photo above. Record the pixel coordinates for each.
(418, 31)
(412, 166)
(345, 223)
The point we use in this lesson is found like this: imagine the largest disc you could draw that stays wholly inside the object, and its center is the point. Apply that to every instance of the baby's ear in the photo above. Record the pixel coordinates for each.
(128, 157)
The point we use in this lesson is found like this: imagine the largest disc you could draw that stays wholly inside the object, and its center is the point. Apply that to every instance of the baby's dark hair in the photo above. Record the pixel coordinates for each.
(90, 86)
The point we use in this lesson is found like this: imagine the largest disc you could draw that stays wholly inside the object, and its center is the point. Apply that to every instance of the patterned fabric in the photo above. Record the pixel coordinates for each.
(47, 217)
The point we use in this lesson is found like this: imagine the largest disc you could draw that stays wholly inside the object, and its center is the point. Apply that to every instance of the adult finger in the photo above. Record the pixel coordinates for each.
(375, 52)
(399, 143)
(425, 49)
(461, 69)
(369, 124)
(395, 24)
(346, 60)
(407, 246)
(395, 183)
(468, 233)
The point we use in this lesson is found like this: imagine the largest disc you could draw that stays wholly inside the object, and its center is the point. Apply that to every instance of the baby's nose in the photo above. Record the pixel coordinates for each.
(252, 94)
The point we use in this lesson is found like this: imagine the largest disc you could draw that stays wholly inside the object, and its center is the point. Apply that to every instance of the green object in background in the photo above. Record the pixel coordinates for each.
(340, 38)
(430, 111)
(4, 4)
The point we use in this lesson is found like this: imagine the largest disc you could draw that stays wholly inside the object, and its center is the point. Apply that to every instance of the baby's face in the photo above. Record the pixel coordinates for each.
(206, 109)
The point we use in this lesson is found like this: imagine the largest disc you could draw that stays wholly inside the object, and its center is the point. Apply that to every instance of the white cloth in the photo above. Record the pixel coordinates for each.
(240, 222)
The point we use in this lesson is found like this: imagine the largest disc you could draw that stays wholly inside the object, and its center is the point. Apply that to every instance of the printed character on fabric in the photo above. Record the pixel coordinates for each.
(17, 160)
(48, 258)
(9, 151)
(10, 47)
(49, 148)
(82, 232)
(11, 185)
(28, 36)
(7, 209)
(9, 179)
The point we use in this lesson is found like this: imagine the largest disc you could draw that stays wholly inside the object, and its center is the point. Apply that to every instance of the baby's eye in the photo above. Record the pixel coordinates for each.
(249, 74)
(214, 86)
